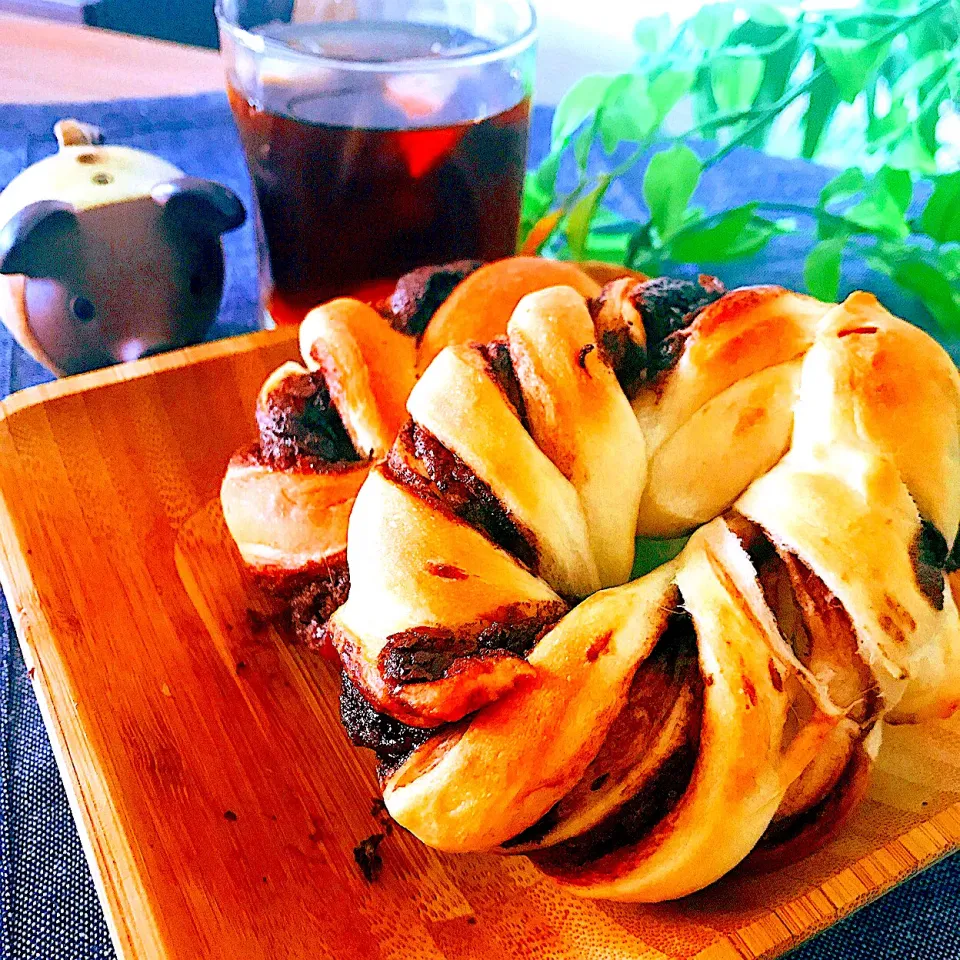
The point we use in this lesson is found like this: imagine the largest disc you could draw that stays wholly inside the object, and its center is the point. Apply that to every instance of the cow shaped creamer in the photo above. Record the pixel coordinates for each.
(109, 254)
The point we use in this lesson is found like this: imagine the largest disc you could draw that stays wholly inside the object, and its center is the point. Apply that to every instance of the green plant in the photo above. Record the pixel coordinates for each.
(876, 83)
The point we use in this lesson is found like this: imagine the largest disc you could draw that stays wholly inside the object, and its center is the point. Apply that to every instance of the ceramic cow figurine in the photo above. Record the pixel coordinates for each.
(108, 253)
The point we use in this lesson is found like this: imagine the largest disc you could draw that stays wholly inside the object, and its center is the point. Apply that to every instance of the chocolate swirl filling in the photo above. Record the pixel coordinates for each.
(298, 422)
(420, 293)
(422, 463)
(930, 558)
(424, 654)
(660, 719)
(392, 741)
(664, 307)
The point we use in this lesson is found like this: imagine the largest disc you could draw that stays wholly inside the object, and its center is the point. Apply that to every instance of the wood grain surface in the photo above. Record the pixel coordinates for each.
(218, 799)
(46, 62)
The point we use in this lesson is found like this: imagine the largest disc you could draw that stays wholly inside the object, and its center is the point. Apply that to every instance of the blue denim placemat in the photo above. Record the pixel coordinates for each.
(48, 906)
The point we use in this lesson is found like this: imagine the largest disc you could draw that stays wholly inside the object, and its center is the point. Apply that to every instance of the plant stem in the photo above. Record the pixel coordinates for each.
(585, 182)
(754, 120)
(642, 233)
(769, 112)
(817, 213)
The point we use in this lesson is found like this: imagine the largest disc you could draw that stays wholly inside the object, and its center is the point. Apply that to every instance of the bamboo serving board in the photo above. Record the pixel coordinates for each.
(219, 801)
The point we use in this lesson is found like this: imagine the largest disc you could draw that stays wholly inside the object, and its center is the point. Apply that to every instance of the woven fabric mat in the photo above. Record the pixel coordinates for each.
(48, 906)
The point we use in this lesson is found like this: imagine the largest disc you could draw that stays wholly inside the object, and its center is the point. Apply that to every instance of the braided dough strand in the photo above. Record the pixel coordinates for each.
(638, 739)
(803, 606)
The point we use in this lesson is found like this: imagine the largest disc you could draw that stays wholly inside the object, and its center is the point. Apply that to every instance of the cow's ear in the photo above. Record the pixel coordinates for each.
(26, 229)
(201, 206)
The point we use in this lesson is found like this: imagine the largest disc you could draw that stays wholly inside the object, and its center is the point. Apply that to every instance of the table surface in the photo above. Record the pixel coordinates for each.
(49, 62)
(42, 62)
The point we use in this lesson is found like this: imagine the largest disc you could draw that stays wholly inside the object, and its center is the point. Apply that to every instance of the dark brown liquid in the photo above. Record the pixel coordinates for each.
(347, 210)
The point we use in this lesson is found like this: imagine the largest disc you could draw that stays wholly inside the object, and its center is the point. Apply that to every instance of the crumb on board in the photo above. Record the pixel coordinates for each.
(379, 812)
(368, 857)
(257, 621)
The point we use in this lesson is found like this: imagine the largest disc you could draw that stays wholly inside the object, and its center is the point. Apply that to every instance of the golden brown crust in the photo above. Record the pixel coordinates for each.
(346, 405)
(642, 742)
(479, 308)
(796, 837)
(282, 582)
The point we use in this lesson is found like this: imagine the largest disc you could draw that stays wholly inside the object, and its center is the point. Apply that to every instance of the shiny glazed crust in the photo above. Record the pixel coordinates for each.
(639, 739)
(288, 514)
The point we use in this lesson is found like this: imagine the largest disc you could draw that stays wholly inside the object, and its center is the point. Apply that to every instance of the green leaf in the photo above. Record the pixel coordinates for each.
(640, 249)
(919, 72)
(828, 228)
(929, 116)
(534, 204)
(898, 184)
(936, 292)
(890, 125)
(614, 94)
(701, 97)
(546, 175)
(650, 33)
(713, 23)
(610, 247)
(890, 5)
(582, 144)
(606, 221)
(879, 213)
(767, 14)
(667, 88)
(779, 67)
(756, 235)
(578, 103)
(933, 32)
(941, 215)
(949, 262)
(822, 105)
(628, 112)
(581, 216)
(650, 554)
(927, 82)
(623, 125)
(780, 64)
(750, 39)
(624, 88)
(884, 201)
(735, 81)
(843, 186)
(850, 61)
(738, 233)
(539, 191)
(911, 153)
(821, 269)
(668, 184)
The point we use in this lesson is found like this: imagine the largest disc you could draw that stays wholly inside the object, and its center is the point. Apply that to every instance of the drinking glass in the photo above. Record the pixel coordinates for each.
(381, 135)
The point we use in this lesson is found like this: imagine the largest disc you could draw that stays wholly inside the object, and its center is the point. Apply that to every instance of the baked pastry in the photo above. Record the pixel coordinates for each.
(638, 738)
(322, 423)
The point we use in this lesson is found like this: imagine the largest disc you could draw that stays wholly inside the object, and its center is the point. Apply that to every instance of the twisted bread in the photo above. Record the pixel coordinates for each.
(287, 498)
(638, 739)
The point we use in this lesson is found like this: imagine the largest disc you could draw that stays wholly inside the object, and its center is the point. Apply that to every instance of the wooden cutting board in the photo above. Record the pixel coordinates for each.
(219, 801)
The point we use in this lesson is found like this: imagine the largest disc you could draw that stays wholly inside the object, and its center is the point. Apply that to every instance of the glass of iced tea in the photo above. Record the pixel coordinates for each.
(381, 135)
